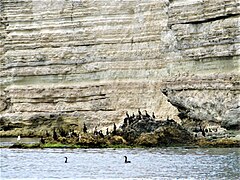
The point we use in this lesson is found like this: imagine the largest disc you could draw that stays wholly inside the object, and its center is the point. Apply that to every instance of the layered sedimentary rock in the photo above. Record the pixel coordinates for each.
(93, 60)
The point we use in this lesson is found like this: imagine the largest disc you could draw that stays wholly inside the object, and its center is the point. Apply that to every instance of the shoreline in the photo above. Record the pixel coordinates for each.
(201, 143)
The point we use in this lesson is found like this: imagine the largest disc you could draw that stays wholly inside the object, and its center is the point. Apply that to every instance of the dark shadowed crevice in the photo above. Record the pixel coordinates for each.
(212, 19)
(183, 111)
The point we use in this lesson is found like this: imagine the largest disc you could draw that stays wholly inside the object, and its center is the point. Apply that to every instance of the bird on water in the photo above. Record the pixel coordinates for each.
(66, 159)
(126, 161)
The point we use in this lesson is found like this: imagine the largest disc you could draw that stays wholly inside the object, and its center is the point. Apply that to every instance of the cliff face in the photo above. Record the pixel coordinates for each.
(93, 60)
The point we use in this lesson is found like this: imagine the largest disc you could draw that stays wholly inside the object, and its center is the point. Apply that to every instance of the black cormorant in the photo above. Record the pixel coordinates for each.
(95, 131)
(153, 115)
(127, 114)
(139, 112)
(55, 137)
(42, 140)
(126, 161)
(133, 115)
(84, 128)
(139, 116)
(66, 159)
(203, 132)
(101, 134)
(146, 114)
(114, 129)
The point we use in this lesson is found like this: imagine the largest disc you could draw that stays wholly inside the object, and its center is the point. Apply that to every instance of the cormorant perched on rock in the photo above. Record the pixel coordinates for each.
(66, 159)
(47, 134)
(146, 114)
(114, 129)
(95, 131)
(84, 128)
(139, 116)
(107, 132)
(126, 119)
(54, 134)
(42, 140)
(101, 134)
(126, 161)
(133, 115)
(153, 116)
(131, 120)
(203, 132)
(127, 114)
(170, 121)
(139, 112)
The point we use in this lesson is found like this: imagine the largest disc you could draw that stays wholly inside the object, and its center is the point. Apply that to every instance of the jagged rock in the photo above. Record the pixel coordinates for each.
(233, 124)
(150, 132)
(147, 139)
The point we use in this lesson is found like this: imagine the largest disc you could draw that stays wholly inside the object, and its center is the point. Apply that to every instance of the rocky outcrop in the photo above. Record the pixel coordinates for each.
(145, 130)
(93, 60)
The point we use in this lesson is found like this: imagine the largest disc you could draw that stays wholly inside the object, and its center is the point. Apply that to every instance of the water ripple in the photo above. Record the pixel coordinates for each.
(153, 163)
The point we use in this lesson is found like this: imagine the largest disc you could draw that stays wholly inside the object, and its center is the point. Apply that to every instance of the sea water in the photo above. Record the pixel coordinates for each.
(149, 163)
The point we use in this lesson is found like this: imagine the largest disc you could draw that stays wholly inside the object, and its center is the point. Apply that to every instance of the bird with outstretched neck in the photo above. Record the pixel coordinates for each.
(126, 161)
(66, 159)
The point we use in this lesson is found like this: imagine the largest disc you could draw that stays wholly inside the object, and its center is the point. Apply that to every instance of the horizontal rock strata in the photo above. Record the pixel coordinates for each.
(94, 60)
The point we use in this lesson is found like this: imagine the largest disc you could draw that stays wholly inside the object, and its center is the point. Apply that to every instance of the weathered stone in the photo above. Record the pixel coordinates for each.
(94, 60)
(114, 140)
(145, 130)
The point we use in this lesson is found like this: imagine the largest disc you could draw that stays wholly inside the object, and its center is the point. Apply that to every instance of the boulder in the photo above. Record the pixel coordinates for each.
(147, 131)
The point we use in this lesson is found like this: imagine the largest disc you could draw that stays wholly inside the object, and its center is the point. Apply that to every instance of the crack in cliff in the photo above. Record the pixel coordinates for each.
(183, 111)
(212, 19)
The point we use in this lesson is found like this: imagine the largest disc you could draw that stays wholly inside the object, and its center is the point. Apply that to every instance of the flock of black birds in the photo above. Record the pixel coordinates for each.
(128, 120)
(57, 132)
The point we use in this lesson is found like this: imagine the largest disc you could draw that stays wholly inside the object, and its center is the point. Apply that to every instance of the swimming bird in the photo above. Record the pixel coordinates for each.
(126, 161)
(66, 159)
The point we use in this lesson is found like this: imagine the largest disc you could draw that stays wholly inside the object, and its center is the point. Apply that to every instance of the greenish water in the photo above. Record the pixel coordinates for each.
(152, 163)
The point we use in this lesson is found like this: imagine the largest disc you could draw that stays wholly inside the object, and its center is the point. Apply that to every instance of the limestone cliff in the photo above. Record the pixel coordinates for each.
(92, 60)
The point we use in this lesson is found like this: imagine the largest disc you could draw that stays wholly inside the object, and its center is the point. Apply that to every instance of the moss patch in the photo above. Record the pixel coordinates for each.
(222, 143)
